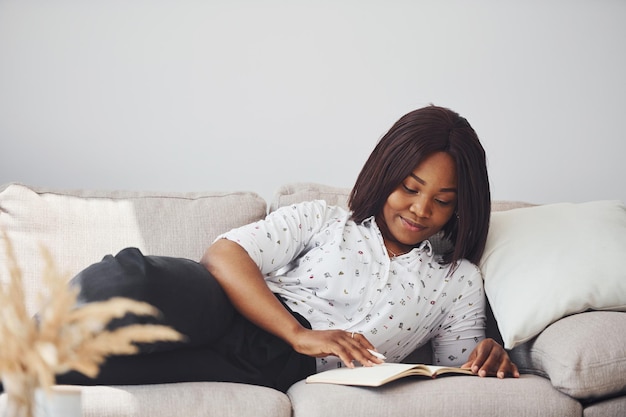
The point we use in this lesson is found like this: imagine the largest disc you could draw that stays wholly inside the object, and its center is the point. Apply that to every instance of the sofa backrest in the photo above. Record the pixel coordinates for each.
(80, 227)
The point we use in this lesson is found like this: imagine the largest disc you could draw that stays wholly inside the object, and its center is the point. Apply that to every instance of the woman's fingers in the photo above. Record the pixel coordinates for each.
(490, 359)
(347, 346)
(359, 349)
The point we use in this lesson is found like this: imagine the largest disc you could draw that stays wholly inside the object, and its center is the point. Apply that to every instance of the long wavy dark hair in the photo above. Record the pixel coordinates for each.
(413, 138)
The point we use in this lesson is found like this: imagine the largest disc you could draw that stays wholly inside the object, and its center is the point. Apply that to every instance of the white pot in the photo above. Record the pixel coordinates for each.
(59, 401)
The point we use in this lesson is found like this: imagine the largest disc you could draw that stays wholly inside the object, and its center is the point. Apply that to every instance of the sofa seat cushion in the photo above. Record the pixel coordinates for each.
(458, 396)
(189, 399)
(80, 227)
(609, 407)
(584, 355)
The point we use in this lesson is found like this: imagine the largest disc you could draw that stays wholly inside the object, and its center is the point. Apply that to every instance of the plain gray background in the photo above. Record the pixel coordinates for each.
(248, 95)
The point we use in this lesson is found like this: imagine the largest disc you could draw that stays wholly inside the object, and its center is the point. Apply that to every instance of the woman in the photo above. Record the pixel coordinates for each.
(317, 281)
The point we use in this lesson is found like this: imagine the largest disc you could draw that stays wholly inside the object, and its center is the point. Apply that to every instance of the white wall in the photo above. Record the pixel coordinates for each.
(226, 95)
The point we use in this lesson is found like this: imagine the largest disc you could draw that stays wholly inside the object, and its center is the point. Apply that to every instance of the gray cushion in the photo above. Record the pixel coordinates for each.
(194, 399)
(607, 408)
(80, 227)
(456, 396)
(584, 355)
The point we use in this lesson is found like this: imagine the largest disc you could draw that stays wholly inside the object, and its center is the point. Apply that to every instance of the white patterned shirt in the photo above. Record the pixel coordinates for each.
(338, 275)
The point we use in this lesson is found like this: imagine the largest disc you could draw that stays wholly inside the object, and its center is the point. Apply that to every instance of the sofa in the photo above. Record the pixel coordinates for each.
(573, 363)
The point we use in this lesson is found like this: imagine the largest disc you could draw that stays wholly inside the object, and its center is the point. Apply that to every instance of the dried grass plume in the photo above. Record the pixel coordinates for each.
(64, 337)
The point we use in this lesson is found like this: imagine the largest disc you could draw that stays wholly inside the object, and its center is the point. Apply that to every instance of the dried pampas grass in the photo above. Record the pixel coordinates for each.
(64, 337)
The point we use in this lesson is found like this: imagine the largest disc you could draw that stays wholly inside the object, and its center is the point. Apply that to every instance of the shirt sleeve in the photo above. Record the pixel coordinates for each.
(464, 327)
(284, 234)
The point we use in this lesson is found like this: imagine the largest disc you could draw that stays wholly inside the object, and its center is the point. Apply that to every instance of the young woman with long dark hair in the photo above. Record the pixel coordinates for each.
(314, 286)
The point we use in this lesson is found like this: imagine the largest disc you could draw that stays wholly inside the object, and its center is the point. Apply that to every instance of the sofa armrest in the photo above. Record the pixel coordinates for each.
(584, 355)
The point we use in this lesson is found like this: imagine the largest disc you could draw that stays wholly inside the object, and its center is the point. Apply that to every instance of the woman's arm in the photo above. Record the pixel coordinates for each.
(245, 286)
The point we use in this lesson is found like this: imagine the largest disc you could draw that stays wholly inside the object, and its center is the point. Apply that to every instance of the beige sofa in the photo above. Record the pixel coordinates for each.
(575, 367)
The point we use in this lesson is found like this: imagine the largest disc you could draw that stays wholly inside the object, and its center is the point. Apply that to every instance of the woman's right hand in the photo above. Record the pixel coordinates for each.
(347, 346)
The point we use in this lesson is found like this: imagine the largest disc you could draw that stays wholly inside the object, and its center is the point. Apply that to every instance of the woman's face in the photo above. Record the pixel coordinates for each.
(421, 205)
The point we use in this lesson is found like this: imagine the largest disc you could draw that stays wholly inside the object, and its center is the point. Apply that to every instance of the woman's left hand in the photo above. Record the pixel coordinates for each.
(489, 359)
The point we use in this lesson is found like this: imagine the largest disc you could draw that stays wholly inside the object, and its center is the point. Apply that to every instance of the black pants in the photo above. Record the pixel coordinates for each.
(220, 345)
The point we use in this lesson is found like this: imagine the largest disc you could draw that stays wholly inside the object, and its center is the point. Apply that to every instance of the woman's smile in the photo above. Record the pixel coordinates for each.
(411, 225)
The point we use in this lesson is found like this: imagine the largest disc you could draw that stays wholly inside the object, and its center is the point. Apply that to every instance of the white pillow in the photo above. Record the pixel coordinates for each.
(542, 263)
